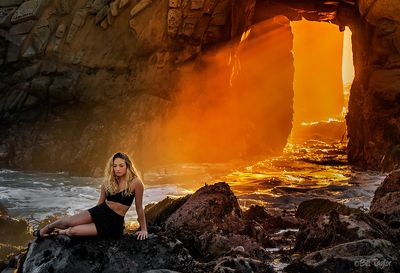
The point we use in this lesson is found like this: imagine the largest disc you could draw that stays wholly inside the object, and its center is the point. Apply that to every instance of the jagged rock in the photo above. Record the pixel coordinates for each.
(22, 28)
(156, 214)
(277, 220)
(158, 254)
(386, 202)
(140, 6)
(5, 16)
(10, 3)
(14, 231)
(334, 228)
(209, 207)
(63, 254)
(3, 209)
(239, 265)
(313, 208)
(28, 10)
(363, 256)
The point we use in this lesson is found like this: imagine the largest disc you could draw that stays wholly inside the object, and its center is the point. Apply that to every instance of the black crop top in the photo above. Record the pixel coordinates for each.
(119, 198)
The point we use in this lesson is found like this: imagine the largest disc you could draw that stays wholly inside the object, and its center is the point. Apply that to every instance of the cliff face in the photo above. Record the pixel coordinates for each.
(373, 120)
(82, 79)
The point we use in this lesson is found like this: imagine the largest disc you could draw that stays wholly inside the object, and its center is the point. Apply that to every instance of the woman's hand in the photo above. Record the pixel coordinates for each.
(141, 235)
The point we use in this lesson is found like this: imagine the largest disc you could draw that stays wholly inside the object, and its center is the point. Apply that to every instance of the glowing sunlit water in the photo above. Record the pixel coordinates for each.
(310, 170)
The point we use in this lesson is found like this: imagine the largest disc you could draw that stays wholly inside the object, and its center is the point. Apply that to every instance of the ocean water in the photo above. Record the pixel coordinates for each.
(313, 169)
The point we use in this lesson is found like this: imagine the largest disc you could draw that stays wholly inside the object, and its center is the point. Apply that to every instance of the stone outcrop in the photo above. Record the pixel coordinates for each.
(358, 256)
(207, 232)
(386, 202)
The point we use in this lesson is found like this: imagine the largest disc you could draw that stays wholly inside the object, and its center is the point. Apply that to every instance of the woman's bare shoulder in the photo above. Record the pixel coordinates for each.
(137, 183)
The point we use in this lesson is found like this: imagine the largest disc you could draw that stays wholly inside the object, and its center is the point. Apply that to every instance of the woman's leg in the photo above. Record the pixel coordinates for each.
(69, 221)
(80, 230)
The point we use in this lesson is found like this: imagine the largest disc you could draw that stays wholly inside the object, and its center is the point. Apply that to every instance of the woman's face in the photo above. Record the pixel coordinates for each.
(119, 167)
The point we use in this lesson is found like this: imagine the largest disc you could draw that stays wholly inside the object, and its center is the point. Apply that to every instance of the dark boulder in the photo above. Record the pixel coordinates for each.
(335, 228)
(386, 202)
(313, 208)
(363, 256)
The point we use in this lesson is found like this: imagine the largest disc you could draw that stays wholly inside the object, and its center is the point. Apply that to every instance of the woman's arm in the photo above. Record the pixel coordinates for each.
(139, 189)
(102, 197)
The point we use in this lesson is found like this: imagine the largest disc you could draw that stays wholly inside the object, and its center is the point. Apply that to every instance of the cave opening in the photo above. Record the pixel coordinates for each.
(323, 74)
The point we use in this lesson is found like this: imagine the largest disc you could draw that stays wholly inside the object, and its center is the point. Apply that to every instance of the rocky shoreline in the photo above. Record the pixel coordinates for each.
(207, 231)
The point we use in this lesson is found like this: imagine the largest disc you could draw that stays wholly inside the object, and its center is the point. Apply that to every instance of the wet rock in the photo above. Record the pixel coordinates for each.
(3, 209)
(238, 264)
(63, 254)
(358, 257)
(209, 207)
(313, 208)
(386, 202)
(156, 214)
(272, 220)
(334, 228)
(28, 10)
(14, 231)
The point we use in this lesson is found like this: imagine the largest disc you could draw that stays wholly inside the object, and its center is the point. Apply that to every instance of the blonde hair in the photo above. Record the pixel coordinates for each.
(111, 180)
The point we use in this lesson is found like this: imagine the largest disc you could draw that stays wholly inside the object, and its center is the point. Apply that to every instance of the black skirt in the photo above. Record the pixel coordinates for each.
(109, 224)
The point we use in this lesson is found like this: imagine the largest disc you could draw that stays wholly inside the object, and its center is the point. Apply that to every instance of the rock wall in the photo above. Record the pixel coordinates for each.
(123, 66)
(373, 120)
(135, 69)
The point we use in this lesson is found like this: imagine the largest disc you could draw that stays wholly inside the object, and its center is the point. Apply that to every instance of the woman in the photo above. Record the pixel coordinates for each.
(106, 220)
